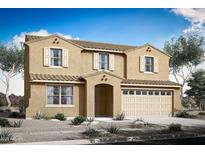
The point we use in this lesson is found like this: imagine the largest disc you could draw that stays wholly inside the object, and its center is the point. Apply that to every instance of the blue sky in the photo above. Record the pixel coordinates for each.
(125, 26)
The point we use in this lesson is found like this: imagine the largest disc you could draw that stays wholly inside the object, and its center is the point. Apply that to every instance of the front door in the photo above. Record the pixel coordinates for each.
(103, 100)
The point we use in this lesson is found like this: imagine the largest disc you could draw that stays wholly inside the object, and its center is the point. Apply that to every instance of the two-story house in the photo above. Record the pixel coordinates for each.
(94, 79)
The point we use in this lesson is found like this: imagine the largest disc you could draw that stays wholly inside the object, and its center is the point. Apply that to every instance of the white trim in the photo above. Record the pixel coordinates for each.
(59, 105)
(146, 85)
(145, 64)
(113, 51)
(51, 81)
(51, 66)
(55, 47)
(149, 72)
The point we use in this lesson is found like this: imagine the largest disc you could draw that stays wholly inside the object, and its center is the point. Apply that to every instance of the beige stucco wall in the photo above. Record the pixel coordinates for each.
(80, 62)
(38, 101)
(133, 64)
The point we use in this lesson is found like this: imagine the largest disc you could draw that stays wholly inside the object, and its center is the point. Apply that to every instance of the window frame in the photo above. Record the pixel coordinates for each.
(60, 96)
(150, 65)
(61, 62)
(107, 54)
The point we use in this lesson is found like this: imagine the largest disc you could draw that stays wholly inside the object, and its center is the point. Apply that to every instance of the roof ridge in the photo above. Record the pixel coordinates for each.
(103, 43)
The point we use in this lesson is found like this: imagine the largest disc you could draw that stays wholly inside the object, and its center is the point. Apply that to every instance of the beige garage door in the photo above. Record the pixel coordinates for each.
(138, 103)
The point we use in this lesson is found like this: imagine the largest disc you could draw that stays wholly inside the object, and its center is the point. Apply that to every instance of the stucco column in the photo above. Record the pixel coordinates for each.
(90, 100)
(117, 100)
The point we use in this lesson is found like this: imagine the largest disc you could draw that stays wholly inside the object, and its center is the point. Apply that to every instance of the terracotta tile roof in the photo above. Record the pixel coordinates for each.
(52, 77)
(149, 82)
(89, 44)
(32, 37)
(105, 46)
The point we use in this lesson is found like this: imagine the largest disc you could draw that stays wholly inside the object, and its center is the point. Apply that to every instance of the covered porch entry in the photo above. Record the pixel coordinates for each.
(103, 94)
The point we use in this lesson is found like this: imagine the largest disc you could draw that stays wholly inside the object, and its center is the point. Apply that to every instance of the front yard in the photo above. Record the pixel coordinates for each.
(99, 130)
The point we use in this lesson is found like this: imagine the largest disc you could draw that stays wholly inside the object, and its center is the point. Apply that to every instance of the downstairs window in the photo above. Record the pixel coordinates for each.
(58, 95)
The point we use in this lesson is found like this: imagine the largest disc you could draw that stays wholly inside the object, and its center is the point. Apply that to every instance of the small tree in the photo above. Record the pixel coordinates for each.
(187, 53)
(197, 84)
(11, 63)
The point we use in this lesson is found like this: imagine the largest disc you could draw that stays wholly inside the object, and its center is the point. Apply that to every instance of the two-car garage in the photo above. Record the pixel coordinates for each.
(145, 102)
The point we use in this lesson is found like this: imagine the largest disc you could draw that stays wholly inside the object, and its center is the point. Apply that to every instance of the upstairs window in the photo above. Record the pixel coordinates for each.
(56, 57)
(104, 61)
(149, 64)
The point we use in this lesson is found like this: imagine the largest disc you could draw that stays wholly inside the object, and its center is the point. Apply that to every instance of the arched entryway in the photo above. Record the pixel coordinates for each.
(103, 100)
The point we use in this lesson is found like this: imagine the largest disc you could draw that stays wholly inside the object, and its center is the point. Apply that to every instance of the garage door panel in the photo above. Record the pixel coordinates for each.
(147, 105)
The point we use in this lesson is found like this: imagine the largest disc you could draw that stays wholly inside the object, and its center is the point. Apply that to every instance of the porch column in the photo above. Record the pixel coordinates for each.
(90, 100)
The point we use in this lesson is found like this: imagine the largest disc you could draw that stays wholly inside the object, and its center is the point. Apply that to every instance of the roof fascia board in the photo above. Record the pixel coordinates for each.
(149, 85)
(50, 36)
(113, 51)
(146, 45)
(53, 81)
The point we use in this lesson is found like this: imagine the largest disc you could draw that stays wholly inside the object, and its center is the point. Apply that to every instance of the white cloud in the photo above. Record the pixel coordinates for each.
(17, 40)
(195, 16)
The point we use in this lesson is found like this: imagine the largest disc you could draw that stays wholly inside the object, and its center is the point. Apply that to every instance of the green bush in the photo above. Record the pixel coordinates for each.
(120, 116)
(78, 120)
(60, 116)
(6, 136)
(91, 132)
(4, 122)
(21, 106)
(184, 114)
(113, 129)
(175, 127)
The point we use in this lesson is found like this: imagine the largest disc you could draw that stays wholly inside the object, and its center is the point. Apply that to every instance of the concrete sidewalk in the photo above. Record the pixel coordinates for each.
(67, 142)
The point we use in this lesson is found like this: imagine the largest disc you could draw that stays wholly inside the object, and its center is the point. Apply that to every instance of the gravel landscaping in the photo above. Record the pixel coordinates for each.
(43, 131)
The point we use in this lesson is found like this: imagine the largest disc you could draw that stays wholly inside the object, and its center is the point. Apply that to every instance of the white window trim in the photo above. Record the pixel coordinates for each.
(145, 63)
(59, 105)
(55, 47)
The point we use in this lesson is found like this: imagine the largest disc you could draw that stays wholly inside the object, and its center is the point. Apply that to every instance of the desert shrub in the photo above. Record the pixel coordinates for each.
(16, 123)
(184, 114)
(91, 132)
(6, 136)
(201, 113)
(78, 120)
(175, 127)
(90, 119)
(4, 122)
(113, 129)
(60, 116)
(120, 116)
(39, 115)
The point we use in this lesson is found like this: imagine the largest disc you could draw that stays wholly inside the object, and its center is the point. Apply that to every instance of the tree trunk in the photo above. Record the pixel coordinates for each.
(7, 93)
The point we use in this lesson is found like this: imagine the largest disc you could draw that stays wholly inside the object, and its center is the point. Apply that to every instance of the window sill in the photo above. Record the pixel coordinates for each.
(55, 67)
(149, 72)
(101, 70)
(51, 105)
